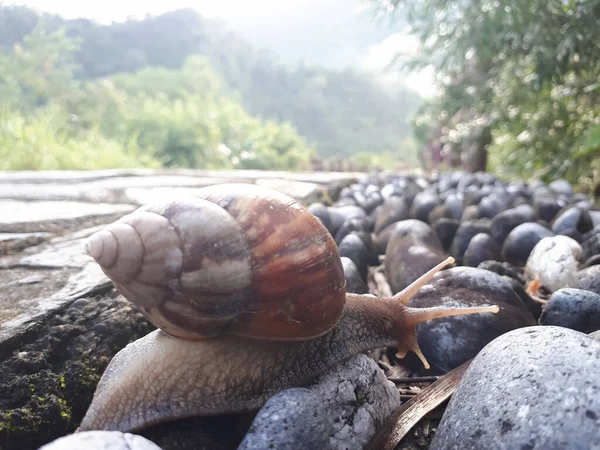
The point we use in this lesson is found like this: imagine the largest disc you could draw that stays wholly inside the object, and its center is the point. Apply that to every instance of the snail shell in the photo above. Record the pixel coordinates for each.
(238, 259)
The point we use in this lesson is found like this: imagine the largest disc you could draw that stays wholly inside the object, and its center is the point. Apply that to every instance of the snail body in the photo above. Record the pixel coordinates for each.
(248, 292)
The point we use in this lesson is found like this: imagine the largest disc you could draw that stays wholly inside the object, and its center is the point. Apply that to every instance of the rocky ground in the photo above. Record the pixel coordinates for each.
(531, 249)
(60, 319)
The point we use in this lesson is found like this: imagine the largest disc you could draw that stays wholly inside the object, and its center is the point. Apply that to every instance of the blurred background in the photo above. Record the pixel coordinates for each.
(505, 86)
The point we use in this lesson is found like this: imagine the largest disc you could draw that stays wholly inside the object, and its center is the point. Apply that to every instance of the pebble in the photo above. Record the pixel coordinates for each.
(481, 248)
(503, 223)
(422, 205)
(465, 233)
(341, 411)
(577, 309)
(554, 260)
(450, 341)
(290, 420)
(573, 218)
(412, 250)
(101, 440)
(354, 281)
(546, 208)
(531, 389)
(588, 279)
(520, 242)
(445, 229)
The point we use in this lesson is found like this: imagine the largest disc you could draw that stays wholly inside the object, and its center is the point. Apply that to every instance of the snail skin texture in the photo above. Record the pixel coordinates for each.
(248, 292)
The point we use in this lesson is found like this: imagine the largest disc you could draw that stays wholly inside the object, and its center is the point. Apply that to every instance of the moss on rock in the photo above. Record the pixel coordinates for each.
(48, 381)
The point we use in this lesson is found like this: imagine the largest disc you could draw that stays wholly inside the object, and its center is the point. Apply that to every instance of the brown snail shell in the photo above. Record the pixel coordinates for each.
(238, 259)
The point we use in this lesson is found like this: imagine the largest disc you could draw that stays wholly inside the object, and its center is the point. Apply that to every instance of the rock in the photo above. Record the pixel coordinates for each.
(554, 260)
(371, 201)
(572, 219)
(455, 205)
(15, 242)
(393, 210)
(422, 205)
(52, 217)
(465, 233)
(520, 242)
(321, 212)
(471, 212)
(546, 208)
(354, 248)
(350, 225)
(101, 440)
(595, 216)
(595, 335)
(357, 398)
(577, 309)
(503, 269)
(339, 214)
(450, 341)
(588, 279)
(439, 212)
(528, 389)
(292, 419)
(481, 248)
(561, 187)
(412, 250)
(506, 221)
(65, 273)
(49, 373)
(491, 206)
(590, 243)
(445, 229)
(354, 281)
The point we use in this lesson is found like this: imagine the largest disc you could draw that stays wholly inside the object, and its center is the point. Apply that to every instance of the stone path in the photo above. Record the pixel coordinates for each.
(47, 215)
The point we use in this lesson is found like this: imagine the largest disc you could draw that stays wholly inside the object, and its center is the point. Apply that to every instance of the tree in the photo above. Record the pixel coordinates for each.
(525, 70)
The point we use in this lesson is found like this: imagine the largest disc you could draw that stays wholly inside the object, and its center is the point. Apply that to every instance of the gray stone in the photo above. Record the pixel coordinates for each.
(466, 231)
(588, 279)
(15, 242)
(520, 241)
(342, 410)
(533, 388)
(562, 187)
(413, 249)
(507, 220)
(49, 216)
(292, 419)
(481, 248)
(450, 341)
(354, 281)
(573, 308)
(101, 440)
(554, 260)
(572, 219)
(595, 335)
(357, 398)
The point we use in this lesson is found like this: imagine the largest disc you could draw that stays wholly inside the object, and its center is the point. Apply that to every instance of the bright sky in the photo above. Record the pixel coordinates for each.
(109, 10)
(233, 12)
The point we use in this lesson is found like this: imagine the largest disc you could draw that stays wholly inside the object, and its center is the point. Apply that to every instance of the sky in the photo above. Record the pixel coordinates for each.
(237, 13)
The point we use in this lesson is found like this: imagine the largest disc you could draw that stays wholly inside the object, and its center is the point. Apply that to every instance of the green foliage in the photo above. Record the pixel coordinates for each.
(526, 70)
(44, 140)
(339, 112)
(153, 117)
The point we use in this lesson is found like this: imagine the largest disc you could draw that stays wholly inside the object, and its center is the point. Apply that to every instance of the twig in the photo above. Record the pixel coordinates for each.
(411, 412)
(410, 380)
(397, 372)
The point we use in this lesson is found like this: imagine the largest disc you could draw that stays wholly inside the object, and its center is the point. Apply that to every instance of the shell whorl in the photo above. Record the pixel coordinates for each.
(239, 259)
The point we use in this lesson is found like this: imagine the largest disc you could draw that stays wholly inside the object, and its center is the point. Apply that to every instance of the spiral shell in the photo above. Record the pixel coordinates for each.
(238, 259)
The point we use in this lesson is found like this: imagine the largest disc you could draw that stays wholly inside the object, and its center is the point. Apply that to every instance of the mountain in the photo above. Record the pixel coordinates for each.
(340, 111)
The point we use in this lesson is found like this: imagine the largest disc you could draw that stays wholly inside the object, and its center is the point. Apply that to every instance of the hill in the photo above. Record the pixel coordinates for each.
(341, 112)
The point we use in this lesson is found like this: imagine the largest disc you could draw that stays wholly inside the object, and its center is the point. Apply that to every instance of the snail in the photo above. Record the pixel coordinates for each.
(247, 291)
